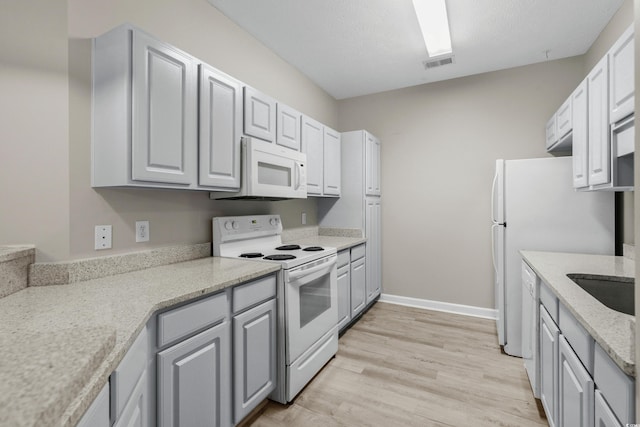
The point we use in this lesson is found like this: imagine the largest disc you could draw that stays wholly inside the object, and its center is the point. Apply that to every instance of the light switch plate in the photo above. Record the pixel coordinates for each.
(102, 237)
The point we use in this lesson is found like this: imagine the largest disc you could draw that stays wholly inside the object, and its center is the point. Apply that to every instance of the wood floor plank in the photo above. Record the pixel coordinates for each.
(403, 366)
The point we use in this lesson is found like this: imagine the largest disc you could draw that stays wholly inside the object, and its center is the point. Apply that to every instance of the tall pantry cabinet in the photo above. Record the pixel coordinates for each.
(359, 206)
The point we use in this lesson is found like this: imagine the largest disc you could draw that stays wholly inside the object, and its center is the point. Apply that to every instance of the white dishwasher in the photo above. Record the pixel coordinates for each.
(530, 326)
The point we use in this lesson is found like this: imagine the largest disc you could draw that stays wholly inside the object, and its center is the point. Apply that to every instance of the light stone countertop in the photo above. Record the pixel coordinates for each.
(60, 343)
(612, 330)
(337, 242)
(11, 252)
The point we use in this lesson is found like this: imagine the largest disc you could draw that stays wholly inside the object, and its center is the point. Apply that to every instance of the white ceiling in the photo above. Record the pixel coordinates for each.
(358, 47)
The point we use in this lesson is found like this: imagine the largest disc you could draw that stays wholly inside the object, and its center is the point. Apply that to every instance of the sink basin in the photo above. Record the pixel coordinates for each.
(617, 293)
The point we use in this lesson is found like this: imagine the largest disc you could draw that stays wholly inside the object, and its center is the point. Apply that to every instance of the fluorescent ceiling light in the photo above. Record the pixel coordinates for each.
(432, 17)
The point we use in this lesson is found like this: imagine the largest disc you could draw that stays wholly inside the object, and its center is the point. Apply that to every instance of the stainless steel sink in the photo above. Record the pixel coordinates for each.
(617, 293)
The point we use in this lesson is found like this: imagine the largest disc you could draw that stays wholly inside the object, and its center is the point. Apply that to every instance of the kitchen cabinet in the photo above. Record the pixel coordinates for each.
(220, 130)
(604, 417)
(551, 132)
(598, 123)
(358, 280)
(580, 143)
(136, 412)
(254, 348)
(344, 288)
(621, 77)
(144, 112)
(259, 114)
(372, 151)
(331, 162)
(558, 128)
(98, 413)
(374, 247)
(549, 333)
(288, 127)
(312, 146)
(194, 381)
(575, 389)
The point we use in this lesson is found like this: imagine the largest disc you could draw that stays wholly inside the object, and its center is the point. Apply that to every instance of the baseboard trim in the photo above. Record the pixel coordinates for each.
(465, 310)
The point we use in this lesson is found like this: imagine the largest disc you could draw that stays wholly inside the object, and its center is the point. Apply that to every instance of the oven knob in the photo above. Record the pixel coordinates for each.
(228, 225)
(235, 225)
(273, 221)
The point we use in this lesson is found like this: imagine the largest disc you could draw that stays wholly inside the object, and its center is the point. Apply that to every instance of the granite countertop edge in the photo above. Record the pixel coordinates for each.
(339, 242)
(613, 331)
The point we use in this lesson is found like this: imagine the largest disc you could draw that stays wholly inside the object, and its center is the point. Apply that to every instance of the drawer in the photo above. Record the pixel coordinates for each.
(357, 252)
(617, 388)
(343, 258)
(183, 321)
(252, 293)
(578, 337)
(549, 300)
(125, 377)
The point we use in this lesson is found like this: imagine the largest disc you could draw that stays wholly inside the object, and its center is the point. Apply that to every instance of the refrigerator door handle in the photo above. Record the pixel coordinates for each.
(493, 195)
(493, 246)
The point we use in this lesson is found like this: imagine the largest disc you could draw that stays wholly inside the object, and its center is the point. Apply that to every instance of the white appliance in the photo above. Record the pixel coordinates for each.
(534, 207)
(307, 295)
(269, 172)
(530, 327)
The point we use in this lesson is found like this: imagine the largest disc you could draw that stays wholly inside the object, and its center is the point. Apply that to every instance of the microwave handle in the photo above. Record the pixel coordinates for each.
(297, 175)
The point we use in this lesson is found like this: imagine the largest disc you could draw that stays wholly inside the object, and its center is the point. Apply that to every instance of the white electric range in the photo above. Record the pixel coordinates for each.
(307, 295)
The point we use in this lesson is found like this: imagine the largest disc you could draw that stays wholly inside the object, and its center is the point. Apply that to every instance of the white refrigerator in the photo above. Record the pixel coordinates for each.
(534, 207)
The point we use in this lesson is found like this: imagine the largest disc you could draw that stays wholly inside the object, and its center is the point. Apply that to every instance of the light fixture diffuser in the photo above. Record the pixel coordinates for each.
(434, 24)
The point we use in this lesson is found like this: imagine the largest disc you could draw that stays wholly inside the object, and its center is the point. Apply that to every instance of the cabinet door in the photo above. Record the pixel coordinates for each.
(549, 366)
(220, 129)
(580, 136)
(194, 380)
(135, 413)
(98, 413)
(551, 132)
(373, 249)
(331, 162)
(165, 121)
(259, 115)
(288, 127)
(621, 79)
(604, 415)
(312, 146)
(372, 165)
(564, 121)
(575, 389)
(254, 335)
(344, 296)
(598, 124)
(358, 286)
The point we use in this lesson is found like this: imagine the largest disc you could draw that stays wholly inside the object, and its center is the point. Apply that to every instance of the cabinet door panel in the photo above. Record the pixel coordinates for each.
(373, 249)
(344, 302)
(372, 165)
(551, 131)
(622, 84)
(288, 127)
(358, 286)
(164, 113)
(254, 334)
(259, 115)
(135, 413)
(548, 365)
(604, 415)
(220, 129)
(331, 162)
(194, 380)
(580, 136)
(312, 146)
(598, 124)
(575, 389)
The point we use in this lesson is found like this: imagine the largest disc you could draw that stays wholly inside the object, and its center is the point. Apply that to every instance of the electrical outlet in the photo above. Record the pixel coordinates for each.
(142, 231)
(304, 218)
(102, 237)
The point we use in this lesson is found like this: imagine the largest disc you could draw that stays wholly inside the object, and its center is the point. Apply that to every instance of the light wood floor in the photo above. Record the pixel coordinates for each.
(400, 366)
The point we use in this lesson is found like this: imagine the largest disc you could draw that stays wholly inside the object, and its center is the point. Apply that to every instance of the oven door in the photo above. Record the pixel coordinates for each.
(274, 171)
(311, 304)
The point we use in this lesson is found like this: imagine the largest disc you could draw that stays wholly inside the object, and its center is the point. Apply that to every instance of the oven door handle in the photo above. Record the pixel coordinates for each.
(323, 268)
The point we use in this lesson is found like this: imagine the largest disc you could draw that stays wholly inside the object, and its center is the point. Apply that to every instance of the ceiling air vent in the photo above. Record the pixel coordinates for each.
(437, 62)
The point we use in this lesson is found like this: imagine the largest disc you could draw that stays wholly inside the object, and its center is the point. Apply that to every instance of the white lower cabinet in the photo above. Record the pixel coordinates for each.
(136, 411)
(344, 291)
(255, 357)
(98, 413)
(549, 333)
(373, 232)
(604, 416)
(575, 389)
(194, 380)
(358, 285)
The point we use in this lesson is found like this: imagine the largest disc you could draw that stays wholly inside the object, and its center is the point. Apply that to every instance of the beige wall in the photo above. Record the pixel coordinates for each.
(45, 81)
(34, 154)
(439, 146)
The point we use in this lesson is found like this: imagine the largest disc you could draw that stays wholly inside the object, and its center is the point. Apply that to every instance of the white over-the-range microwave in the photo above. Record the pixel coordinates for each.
(269, 172)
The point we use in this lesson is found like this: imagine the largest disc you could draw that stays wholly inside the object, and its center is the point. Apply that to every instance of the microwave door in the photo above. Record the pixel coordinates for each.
(273, 175)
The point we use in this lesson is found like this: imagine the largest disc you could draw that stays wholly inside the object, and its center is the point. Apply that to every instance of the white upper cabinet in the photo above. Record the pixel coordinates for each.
(220, 130)
(580, 144)
(144, 112)
(259, 115)
(312, 146)
(564, 119)
(551, 132)
(372, 161)
(331, 162)
(621, 78)
(288, 127)
(598, 123)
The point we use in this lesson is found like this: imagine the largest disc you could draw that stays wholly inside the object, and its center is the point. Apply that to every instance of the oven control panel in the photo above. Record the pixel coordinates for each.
(236, 228)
